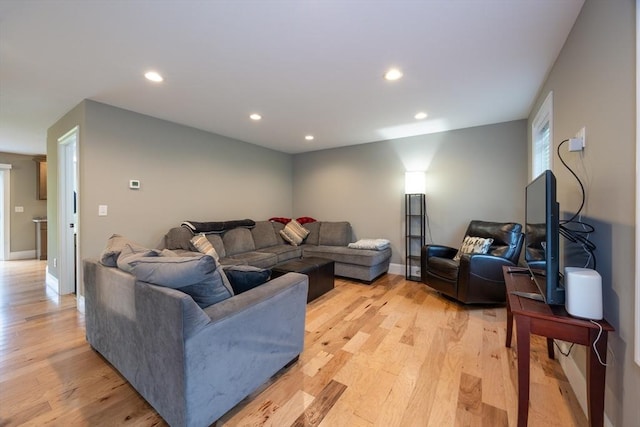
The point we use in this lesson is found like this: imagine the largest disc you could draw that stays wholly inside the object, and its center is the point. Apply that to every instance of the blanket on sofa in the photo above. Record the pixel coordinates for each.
(217, 226)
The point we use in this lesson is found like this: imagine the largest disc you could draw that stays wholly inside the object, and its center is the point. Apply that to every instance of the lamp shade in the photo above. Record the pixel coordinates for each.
(414, 182)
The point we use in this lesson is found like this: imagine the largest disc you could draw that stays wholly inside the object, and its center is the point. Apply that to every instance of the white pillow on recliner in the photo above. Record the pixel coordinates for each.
(473, 245)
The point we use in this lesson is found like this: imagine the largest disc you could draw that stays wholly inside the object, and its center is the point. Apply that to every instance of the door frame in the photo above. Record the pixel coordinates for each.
(5, 205)
(68, 250)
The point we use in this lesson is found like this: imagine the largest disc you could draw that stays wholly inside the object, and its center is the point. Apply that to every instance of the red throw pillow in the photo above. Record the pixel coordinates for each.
(305, 220)
(280, 219)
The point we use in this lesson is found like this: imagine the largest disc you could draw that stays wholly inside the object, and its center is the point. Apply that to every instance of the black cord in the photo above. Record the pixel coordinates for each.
(578, 236)
(577, 179)
(562, 352)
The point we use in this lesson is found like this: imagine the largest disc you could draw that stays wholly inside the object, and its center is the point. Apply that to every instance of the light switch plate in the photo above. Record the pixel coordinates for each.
(102, 210)
(19, 208)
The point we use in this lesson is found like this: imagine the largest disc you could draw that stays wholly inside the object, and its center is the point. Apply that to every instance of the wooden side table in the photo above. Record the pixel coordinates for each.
(535, 317)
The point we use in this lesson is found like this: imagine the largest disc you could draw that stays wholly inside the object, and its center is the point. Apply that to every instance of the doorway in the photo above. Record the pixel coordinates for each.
(68, 213)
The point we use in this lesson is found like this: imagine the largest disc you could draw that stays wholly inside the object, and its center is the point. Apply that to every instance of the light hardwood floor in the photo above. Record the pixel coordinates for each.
(391, 354)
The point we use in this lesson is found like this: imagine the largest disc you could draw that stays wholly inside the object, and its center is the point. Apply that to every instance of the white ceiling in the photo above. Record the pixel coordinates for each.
(309, 67)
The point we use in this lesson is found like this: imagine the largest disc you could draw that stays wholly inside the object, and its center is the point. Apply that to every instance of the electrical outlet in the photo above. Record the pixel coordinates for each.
(579, 141)
(19, 209)
(55, 262)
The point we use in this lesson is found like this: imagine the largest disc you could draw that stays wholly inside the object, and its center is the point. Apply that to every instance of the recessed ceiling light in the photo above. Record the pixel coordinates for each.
(421, 115)
(255, 116)
(153, 76)
(309, 137)
(393, 74)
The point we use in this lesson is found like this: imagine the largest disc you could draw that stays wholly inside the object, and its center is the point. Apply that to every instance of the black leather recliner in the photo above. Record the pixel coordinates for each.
(476, 278)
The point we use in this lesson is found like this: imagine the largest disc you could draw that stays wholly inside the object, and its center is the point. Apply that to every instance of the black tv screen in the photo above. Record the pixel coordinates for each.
(542, 235)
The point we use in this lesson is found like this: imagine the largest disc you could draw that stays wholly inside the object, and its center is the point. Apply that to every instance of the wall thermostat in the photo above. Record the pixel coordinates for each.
(134, 184)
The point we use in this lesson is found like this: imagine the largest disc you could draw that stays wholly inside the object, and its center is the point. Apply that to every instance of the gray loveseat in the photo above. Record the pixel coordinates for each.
(262, 246)
(192, 364)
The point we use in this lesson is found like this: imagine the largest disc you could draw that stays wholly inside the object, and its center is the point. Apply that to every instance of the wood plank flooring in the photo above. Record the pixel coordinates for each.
(391, 354)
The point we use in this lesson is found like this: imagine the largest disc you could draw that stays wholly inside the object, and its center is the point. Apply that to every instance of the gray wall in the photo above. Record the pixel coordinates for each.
(593, 84)
(23, 193)
(186, 174)
(474, 173)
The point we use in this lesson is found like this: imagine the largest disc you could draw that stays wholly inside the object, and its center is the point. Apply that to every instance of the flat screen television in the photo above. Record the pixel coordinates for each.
(542, 235)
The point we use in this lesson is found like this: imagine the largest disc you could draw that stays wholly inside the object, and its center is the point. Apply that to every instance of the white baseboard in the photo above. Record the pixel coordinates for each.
(22, 255)
(400, 269)
(51, 280)
(396, 269)
(577, 381)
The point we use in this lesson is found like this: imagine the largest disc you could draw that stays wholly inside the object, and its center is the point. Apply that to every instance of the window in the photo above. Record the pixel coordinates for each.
(542, 138)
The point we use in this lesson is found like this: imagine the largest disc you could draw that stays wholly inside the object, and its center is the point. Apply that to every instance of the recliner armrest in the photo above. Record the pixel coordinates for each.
(486, 266)
(440, 251)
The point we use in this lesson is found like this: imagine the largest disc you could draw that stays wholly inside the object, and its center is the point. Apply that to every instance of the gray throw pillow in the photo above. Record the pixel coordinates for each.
(198, 277)
(131, 253)
(115, 245)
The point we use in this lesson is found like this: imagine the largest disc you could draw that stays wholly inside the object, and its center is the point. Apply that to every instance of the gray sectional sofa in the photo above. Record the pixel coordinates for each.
(192, 364)
(262, 246)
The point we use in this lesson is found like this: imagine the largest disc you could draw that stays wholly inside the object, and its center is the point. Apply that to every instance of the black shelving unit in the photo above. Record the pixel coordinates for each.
(415, 212)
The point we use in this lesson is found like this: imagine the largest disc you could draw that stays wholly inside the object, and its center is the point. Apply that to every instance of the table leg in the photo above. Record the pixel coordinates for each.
(596, 375)
(523, 325)
(509, 326)
(550, 349)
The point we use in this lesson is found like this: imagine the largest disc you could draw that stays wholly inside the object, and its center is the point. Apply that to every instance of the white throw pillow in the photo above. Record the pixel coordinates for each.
(473, 245)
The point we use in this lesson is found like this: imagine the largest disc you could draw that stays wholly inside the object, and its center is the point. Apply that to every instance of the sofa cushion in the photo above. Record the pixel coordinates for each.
(257, 259)
(335, 233)
(115, 244)
(178, 238)
(263, 235)
(444, 267)
(245, 277)
(131, 253)
(347, 255)
(314, 233)
(294, 233)
(277, 227)
(198, 276)
(237, 241)
(284, 252)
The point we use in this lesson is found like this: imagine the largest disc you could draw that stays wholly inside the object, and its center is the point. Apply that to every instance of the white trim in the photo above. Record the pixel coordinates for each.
(51, 280)
(637, 310)
(31, 254)
(544, 115)
(578, 383)
(66, 284)
(5, 205)
(396, 269)
(80, 303)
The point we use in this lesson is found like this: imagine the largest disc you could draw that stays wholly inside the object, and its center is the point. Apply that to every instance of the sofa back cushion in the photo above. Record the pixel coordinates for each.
(199, 276)
(264, 235)
(314, 233)
(335, 233)
(178, 238)
(238, 240)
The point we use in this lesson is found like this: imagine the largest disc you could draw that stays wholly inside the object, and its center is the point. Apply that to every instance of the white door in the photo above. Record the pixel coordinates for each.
(68, 212)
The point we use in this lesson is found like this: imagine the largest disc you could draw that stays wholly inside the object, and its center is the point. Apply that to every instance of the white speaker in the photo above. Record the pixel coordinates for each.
(583, 293)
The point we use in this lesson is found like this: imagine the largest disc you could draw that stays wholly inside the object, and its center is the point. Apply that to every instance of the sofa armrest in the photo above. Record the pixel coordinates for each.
(250, 338)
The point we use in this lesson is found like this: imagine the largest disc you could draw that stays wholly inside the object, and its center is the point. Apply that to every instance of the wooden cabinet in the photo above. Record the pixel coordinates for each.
(41, 177)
